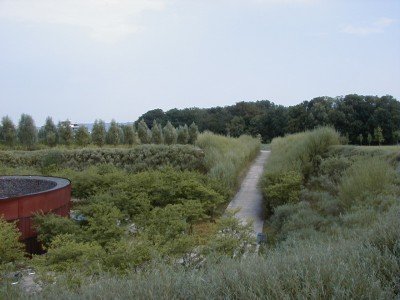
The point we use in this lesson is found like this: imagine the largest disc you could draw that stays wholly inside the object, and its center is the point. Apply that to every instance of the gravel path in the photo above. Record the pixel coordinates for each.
(249, 198)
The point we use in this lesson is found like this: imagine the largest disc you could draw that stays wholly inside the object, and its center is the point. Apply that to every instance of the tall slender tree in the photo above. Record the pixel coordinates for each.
(113, 133)
(144, 132)
(82, 136)
(378, 135)
(49, 133)
(170, 135)
(27, 132)
(128, 134)
(183, 135)
(156, 133)
(369, 139)
(360, 139)
(9, 131)
(65, 132)
(99, 133)
(193, 133)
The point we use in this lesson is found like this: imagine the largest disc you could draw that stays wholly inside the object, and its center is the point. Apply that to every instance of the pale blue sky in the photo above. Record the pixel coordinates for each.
(88, 59)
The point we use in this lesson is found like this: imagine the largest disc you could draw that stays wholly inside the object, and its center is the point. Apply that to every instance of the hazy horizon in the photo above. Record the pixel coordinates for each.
(117, 59)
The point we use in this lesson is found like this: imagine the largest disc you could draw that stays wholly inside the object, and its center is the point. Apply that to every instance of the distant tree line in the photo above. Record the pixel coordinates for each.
(362, 119)
(27, 135)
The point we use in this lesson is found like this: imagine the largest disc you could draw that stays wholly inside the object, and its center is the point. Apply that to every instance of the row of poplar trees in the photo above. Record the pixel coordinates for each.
(27, 135)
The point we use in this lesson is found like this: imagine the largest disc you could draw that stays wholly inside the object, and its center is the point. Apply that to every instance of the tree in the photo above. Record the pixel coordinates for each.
(360, 139)
(49, 134)
(369, 139)
(129, 134)
(378, 135)
(236, 126)
(82, 136)
(156, 133)
(9, 132)
(121, 135)
(183, 135)
(27, 132)
(170, 135)
(113, 134)
(99, 133)
(65, 132)
(144, 132)
(396, 136)
(193, 133)
(11, 249)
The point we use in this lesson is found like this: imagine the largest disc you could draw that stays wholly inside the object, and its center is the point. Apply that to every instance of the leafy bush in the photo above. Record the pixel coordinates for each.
(11, 250)
(50, 225)
(66, 254)
(282, 188)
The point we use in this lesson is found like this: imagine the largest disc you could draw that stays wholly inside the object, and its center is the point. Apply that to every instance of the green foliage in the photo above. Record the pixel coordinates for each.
(396, 136)
(144, 132)
(366, 178)
(226, 158)
(140, 158)
(27, 132)
(378, 135)
(303, 151)
(82, 136)
(369, 138)
(11, 249)
(49, 133)
(350, 115)
(99, 133)
(183, 135)
(65, 133)
(113, 134)
(65, 254)
(193, 133)
(8, 132)
(233, 238)
(170, 134)
(129, 135)
(50, 225)
(156, 133)
(360, 139)
(103, 223)
(282, 188)
(126, 255)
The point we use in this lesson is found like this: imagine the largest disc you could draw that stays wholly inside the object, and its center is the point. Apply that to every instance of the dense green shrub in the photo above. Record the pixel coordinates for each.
(226, 158)
(66, 254)
(135, 194)
(11, 250)
(294, 159)
(140, 158)
(282, 188)
(50, 225)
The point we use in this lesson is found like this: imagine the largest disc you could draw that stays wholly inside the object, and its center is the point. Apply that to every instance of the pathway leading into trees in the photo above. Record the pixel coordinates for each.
(249, 197)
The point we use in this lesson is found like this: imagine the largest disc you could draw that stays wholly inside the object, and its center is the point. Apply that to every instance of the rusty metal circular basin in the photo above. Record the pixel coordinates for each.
(23, 196)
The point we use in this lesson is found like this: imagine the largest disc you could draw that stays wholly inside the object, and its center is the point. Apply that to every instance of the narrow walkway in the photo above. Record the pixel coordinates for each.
(249, 198)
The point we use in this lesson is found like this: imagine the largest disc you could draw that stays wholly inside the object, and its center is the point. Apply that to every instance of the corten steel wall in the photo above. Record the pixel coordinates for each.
(22, 208)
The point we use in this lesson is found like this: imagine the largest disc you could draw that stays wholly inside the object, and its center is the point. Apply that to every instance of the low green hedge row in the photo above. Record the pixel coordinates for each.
(139, 158)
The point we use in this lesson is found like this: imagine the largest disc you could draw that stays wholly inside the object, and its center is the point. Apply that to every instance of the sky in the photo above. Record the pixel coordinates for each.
(102, 59)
